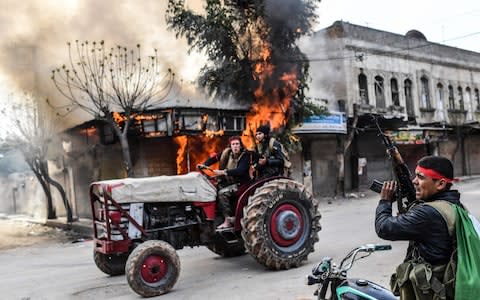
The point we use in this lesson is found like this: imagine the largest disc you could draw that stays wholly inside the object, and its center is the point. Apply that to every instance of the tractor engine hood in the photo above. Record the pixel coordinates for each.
(191, 187)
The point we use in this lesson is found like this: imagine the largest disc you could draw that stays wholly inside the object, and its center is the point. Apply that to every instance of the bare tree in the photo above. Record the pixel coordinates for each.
(32, 131)
(103, 81)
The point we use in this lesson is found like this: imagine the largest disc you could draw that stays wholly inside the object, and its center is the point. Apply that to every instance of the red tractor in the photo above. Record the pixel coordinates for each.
(140, 222)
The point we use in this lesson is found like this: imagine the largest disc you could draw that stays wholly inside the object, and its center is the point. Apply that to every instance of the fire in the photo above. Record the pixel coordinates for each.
(182, 145)
(91, 131)
(272, 101)
(193, 150)
(118, 118)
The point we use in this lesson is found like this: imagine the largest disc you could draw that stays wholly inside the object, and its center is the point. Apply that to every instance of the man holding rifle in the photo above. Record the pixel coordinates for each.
(270, 157)
(428, 224)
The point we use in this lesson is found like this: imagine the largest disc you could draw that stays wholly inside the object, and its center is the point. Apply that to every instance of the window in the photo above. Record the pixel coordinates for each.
(461, 103)
(155, 126)
(379, 92)
(395, 94)
(363, 88)
(409, 99)
(468, 103)
(477, 99)
(234, 123)
(425, 93)
(107, 134)
(451, 98)
(441, 102)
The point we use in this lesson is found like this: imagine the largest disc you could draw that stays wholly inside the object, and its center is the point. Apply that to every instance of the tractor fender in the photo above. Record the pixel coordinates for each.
(245, 193)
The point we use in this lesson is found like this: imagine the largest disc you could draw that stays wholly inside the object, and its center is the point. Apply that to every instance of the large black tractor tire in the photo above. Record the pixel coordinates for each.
(226, 247)
(111, 264)
(152, 268)
(280, 224)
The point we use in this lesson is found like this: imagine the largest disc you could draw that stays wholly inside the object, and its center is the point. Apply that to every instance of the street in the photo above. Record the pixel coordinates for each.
(67, 270)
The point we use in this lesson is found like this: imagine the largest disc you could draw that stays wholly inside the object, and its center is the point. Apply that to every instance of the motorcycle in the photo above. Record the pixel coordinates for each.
(326, 273)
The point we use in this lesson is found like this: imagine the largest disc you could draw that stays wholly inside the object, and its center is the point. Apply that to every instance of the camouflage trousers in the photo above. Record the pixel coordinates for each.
(227, 197)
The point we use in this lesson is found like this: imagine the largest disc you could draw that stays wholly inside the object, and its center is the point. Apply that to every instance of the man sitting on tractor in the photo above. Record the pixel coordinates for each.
(234, 165)
(270, 156)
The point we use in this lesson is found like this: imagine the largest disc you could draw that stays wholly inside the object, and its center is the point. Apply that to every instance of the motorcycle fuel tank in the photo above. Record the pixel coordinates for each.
(361, 289)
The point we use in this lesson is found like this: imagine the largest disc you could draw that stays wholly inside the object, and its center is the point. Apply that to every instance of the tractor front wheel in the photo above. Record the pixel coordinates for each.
(152, 268)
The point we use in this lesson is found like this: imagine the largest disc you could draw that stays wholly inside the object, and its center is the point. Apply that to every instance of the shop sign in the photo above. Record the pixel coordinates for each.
(334, 122)
(414, 137)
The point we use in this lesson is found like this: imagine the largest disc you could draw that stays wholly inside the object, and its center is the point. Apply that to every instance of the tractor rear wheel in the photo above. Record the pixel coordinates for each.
(152, 268)
(111, 264)
(280, 224)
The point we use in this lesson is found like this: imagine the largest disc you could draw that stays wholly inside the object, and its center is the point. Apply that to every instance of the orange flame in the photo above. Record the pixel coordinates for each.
(91, 131)
(193, 150)
(182, 145)
(272, 105)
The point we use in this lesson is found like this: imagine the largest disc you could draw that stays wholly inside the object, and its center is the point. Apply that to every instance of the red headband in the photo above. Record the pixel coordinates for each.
(434, 174)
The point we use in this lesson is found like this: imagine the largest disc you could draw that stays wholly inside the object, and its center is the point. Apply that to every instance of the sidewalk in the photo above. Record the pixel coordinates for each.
(83, 226)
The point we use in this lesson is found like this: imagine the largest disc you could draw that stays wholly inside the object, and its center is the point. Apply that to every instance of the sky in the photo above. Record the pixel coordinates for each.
(453, 23)
(47, 25)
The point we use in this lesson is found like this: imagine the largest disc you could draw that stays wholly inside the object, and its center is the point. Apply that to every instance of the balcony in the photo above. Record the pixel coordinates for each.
(427, 115)
(457, 116)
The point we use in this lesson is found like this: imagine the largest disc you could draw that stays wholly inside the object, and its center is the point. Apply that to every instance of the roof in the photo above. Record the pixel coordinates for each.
(414, 41)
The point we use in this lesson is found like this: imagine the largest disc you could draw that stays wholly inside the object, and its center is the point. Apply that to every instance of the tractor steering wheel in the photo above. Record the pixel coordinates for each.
(208, 173)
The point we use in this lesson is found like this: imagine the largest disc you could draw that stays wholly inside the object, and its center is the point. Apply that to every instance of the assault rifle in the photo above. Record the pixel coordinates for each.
(405, 188)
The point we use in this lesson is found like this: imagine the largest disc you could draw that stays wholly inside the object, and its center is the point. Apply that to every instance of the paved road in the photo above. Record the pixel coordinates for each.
(67, 271)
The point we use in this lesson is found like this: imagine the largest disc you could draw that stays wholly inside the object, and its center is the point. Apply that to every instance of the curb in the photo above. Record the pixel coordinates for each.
(82, 226)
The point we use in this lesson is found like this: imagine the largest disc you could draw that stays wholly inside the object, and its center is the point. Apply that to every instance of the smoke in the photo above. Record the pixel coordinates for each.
(35, 33)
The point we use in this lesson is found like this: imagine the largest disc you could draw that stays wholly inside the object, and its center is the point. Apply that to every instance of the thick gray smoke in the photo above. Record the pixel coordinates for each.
(35, 33)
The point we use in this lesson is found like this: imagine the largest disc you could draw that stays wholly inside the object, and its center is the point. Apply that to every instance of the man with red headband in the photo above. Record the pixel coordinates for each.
(428, 226)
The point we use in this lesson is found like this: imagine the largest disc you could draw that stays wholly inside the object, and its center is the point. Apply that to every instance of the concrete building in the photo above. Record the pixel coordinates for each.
(427, 94)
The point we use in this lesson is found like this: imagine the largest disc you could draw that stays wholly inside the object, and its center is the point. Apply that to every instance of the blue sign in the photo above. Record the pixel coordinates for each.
(335, 122)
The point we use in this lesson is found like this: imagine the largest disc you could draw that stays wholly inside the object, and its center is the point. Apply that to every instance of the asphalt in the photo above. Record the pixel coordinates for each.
(84, 226)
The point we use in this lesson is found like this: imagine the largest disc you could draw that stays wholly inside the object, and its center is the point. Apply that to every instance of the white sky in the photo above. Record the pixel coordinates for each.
(47, 25)
(453, 23)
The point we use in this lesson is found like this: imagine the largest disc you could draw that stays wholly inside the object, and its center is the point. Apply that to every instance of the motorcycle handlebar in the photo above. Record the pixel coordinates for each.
(383, 247)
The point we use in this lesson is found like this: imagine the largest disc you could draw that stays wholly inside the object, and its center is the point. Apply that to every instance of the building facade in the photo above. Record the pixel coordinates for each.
(426, 94)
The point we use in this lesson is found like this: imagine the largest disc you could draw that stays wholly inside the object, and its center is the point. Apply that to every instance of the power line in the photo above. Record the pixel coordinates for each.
(362, 56)
(462, 37)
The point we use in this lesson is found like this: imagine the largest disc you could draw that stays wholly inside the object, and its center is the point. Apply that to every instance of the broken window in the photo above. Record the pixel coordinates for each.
(233, 123)
(409, 98)
(195, 120)
(425, 93)
(156, 126)
(363, 87)
(379, 92)
(451, 98)
(395, 94)
(441, 102)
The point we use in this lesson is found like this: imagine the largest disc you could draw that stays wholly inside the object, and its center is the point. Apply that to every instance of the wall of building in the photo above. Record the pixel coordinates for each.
(156, 157)
(324, 164)
(472, 148)
(22, 194)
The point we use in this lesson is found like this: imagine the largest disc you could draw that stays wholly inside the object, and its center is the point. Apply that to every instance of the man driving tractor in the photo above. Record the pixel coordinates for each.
(234, 165)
